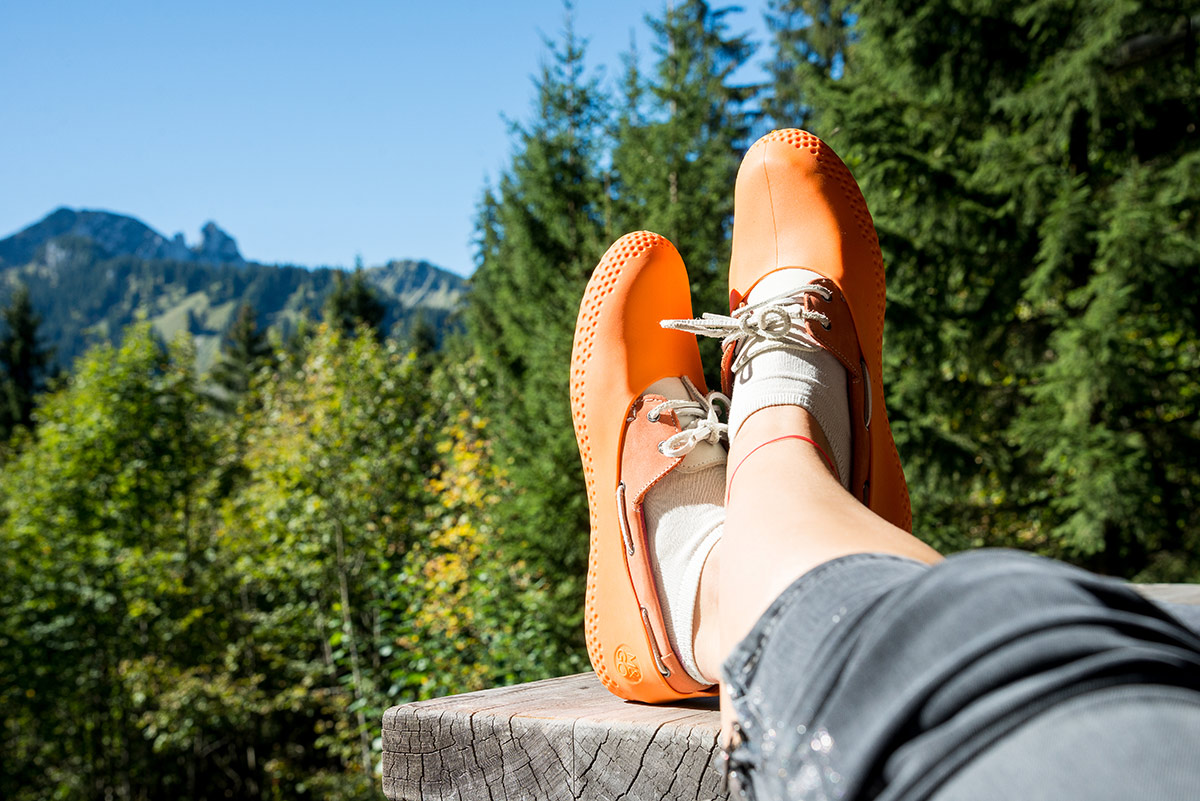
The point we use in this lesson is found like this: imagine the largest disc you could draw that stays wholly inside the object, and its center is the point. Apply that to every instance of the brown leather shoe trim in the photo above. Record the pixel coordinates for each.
(841, 339)
(727, 355)
(643, 466)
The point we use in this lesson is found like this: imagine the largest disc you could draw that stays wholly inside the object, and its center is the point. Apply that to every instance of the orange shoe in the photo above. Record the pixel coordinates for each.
(628, 441)
(796, 205)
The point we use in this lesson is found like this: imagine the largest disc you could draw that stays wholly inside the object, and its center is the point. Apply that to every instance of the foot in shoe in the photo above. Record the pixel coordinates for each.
(653, 459)
(684, 511)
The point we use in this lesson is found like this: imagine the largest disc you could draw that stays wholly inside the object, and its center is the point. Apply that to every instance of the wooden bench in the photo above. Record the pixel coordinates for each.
(567, 738)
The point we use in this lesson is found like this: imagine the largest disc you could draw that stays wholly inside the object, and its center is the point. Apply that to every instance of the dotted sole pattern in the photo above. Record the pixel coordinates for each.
(602, 283)
(831, 165)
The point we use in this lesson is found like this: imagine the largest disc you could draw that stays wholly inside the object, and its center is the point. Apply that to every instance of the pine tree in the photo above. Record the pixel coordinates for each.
(811, 39)
(681, 135)
(246, 352)
(353, 302)
(541, 232)
(23, 361)
(423, 337)
(1033, 176)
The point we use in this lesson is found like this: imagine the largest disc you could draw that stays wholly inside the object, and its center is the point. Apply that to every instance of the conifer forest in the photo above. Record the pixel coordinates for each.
(211, 586)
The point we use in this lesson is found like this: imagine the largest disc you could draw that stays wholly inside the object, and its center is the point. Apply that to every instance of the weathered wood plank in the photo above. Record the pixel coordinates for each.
(567, 739)
(1172, 593)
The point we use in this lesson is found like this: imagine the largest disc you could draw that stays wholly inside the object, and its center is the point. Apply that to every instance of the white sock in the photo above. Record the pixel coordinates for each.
(685, 516)
(813, 380)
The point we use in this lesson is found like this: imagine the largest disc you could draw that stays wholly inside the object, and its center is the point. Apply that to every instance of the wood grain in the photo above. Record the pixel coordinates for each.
(565, 738)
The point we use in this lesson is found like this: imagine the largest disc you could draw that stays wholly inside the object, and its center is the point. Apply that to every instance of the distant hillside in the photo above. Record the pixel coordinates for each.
(91, 273)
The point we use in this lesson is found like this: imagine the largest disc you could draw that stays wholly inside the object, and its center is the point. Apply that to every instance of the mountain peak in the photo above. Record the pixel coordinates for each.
(216, 246)
(418, 283)
(91, 273)
(118, 235)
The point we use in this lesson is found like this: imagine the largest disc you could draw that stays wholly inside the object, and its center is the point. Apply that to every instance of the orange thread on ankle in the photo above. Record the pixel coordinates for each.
(761, 445)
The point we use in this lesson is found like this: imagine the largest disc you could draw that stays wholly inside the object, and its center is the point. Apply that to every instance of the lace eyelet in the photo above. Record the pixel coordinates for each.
(652, 416)
(660, 447)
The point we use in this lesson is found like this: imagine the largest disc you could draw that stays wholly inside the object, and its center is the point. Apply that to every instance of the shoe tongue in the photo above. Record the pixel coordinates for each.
(705, 453)
(670, 388)
(777, 283)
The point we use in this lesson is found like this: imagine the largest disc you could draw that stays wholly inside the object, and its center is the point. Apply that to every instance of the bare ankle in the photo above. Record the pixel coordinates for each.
(775, 424)
(707, 623)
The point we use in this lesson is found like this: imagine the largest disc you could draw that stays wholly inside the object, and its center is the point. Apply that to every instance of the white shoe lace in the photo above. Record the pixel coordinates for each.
(697, 417)
(773, 324)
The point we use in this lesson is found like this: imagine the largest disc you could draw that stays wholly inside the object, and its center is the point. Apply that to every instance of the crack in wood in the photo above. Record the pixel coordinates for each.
(487, 785)
(560, 739)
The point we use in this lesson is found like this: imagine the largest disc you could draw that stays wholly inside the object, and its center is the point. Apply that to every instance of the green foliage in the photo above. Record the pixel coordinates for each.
(810, 45)
(332, 465)
(1035, 187)
(541, 233)
(166, 631)
(423, 337)
(246, 352)
(353, 303)
(482, 613)
(105, 561)
(23, 361)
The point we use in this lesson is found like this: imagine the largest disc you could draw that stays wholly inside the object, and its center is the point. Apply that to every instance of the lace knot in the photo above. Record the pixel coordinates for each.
(774, 323)
(698, 420)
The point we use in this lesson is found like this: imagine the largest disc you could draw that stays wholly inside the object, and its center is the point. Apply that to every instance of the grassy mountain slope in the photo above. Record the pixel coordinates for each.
(91, 273)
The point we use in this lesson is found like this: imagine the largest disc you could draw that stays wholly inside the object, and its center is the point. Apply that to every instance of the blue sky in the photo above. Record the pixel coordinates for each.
(312, 132)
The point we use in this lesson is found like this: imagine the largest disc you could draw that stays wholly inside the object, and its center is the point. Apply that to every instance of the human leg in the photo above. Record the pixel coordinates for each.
(844, 646)
(793, 514)
(871, 674)
(878, 677)
(786, 513)
(813, 472)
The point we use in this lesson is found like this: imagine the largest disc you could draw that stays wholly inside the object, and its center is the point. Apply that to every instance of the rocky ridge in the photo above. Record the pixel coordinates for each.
(90, 273)
(118, 234)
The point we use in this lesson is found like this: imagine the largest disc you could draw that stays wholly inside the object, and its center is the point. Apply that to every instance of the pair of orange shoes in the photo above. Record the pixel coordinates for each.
(795, 205)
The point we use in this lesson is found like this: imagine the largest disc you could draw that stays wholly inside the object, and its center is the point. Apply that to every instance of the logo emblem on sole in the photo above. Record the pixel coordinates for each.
(627, 665)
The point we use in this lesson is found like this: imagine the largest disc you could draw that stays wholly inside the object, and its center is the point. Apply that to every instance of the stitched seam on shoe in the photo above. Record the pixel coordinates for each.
(771, 205)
